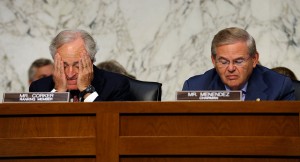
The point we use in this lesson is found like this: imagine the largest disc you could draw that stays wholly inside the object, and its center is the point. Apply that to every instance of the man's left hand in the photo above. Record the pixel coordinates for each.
(86, 73)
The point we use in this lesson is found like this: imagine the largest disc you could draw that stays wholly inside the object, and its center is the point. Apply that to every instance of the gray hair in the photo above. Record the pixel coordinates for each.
(67, 36)
(37, 64)
(114, 66)
(233, 35)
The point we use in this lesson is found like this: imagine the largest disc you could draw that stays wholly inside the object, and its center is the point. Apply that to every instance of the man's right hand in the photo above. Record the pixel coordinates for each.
(59, 75)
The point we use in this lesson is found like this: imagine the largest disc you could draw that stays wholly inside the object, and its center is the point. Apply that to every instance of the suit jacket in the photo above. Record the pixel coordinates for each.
(263, 83)
(109, 86)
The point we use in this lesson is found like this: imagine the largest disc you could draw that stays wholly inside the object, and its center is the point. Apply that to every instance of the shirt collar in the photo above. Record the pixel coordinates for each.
(244, 89)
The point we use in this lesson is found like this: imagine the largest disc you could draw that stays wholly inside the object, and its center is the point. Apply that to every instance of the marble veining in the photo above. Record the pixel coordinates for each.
(166, 41)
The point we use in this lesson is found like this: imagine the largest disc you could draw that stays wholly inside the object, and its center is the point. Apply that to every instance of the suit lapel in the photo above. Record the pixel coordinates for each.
(216, 84)
(256, 86)
(98, 80)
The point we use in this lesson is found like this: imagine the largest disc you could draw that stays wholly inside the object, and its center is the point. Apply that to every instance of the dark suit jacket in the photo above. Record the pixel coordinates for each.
(109, 86)
(263, 83)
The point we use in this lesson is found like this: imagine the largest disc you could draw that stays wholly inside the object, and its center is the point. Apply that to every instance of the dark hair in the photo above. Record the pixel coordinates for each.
(114, 66)
(37, 64)
(230, 36)
(67, 36)
(285, 71)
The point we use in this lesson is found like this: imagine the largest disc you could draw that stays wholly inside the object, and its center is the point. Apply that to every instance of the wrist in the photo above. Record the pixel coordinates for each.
(86, 92)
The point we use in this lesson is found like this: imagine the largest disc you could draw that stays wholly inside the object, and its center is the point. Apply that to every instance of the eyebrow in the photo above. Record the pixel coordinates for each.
(233, 59)
(75, 63)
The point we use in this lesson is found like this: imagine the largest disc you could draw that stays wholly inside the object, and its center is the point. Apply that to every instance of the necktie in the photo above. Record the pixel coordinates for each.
(75, 98)
(243, 95)
(74, 94)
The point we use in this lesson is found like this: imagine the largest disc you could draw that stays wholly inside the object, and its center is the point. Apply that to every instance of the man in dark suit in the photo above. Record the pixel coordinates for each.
(235, 61)
(74, 53)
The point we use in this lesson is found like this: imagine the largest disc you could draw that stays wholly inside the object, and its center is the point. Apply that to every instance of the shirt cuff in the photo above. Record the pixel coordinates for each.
(91, 97)
(53, 90)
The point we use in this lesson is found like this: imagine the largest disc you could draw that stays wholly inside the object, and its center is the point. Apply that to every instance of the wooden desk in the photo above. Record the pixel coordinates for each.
(150, 131)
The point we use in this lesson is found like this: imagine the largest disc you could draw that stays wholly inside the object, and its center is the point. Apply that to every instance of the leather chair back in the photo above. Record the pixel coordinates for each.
(144, 90)
(297, 89)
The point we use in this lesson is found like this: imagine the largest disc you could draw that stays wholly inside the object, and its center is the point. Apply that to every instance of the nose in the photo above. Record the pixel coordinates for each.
(231, 67)
(69, 72)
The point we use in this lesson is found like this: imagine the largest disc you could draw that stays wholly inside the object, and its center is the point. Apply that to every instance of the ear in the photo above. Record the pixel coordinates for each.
(213, 60)
(255, 59)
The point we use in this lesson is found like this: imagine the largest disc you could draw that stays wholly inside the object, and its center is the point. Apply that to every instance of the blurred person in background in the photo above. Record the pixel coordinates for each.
(114, 66)
(40, 68)
(285, 71)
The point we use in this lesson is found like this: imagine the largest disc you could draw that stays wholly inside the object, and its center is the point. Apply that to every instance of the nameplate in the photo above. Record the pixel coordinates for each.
(209, 95)
(36, 97)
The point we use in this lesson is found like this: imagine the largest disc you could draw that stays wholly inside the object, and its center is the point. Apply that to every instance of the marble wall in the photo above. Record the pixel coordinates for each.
(156, 40)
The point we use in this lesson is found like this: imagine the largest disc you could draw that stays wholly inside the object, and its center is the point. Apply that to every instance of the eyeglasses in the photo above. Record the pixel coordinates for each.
(221, 62)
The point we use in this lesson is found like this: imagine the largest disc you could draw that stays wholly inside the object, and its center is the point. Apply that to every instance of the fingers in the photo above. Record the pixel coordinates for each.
(85, 64)
(85, 75)
(58, 65)
(56, 62)
(86, 61)
(59, 77)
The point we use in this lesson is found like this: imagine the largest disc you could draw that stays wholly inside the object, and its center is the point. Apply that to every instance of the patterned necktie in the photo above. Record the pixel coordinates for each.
(74, 95)
(75, 98)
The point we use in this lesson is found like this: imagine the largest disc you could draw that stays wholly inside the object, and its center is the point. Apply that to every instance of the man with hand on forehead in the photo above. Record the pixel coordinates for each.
(74, 53)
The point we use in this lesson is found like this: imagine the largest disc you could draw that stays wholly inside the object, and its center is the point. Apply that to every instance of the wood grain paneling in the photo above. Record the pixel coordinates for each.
(207, 159)
(150, 131)
(234, 145)
(71, 146)
(108, 137)
(209, 124)
(47, 126)
(47, 159)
